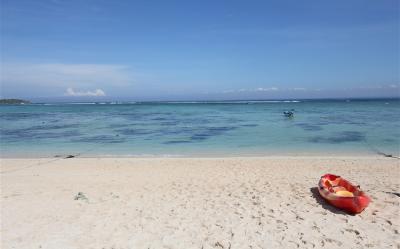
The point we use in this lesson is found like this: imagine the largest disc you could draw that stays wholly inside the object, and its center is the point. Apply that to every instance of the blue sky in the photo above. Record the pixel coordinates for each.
(131, 50)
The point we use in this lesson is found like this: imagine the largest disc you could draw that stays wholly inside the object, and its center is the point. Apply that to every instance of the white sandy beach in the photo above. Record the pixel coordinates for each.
(194, 203)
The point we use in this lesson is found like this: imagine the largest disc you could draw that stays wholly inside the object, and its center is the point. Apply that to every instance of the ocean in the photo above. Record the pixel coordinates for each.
(225, 128)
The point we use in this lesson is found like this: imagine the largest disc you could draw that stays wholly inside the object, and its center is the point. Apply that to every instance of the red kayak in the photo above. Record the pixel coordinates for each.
(342, 194)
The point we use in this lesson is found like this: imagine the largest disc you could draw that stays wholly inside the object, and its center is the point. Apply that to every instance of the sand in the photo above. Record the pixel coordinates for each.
(194, 203)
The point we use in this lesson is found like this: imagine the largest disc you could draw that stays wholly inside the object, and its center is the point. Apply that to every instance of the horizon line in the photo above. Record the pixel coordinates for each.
(208, 101)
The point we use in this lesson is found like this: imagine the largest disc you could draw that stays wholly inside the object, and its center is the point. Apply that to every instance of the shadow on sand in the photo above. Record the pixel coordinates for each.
(324, 203)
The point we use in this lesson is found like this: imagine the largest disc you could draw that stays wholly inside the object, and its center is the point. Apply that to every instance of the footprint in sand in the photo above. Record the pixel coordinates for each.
(353, 231)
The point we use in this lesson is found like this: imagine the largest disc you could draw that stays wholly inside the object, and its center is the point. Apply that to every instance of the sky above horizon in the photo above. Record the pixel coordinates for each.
(175, 50)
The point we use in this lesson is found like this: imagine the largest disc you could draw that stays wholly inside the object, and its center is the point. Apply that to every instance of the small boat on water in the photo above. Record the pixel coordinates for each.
(342, 194)
(288, 114)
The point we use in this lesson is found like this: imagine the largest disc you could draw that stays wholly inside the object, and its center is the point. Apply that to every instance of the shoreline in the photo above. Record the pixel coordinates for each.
(262, 202)
(206, 155)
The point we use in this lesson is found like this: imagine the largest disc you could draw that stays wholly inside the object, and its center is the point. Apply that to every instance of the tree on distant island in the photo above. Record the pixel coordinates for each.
(14, 102)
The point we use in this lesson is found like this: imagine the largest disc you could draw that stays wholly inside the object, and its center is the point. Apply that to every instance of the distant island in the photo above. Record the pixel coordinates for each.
(14, 102)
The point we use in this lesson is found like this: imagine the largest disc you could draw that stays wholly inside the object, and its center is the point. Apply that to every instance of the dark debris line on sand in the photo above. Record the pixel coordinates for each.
(85, 151)
(56, 158)
(393, 193)
(377, 151)
(388, 155)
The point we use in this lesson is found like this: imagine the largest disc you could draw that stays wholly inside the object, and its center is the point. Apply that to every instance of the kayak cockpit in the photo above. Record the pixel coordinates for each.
(340, 187)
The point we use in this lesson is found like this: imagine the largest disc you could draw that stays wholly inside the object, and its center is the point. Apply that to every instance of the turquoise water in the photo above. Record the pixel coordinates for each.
(201, 129)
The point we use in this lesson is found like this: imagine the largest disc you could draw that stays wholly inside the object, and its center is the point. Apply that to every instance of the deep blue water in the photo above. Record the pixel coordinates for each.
(201, 129)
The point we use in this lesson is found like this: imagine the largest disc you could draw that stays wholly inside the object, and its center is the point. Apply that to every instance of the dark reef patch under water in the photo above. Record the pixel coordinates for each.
(339, 137)
(309, 127)
(198, 134)
(54, 126)
(133, 132)
(177, 142)
(169, 123)
(249, 125)
(22, 115)
(100, 139)
(211, 132)
(12, 135)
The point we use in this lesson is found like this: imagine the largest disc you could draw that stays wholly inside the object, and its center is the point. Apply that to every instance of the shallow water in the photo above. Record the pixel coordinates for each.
(201, 129)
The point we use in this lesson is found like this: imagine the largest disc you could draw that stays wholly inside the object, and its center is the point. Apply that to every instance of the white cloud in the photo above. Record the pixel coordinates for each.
(95, 93)
(298, 89)
(377, 87)
(261, 89)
